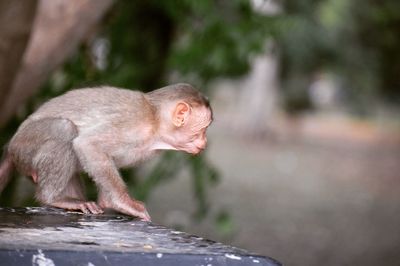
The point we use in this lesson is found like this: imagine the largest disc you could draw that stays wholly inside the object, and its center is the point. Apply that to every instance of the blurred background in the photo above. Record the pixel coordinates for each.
(303, 163)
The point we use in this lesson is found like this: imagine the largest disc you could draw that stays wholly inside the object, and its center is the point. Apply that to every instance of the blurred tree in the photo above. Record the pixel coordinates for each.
(377, 33)
(305, 47)
(357, 39)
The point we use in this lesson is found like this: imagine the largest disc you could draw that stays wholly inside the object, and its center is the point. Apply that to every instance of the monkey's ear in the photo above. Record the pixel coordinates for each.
(181, 113)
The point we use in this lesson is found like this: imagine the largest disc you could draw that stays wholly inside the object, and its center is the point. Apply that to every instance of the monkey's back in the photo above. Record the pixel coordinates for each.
(96, 107)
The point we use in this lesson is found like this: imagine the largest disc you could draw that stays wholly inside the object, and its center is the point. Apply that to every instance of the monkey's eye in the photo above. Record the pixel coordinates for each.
(201, 134)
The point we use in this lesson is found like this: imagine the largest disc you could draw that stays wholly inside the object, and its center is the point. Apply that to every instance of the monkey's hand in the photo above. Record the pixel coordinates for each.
(126, 205)
(141, 211)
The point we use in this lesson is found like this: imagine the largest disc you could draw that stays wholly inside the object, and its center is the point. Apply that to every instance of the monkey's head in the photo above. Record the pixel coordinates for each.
(185, 116)
(191, 123)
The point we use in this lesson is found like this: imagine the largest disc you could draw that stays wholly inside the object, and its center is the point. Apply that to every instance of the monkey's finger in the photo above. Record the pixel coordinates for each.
(94, 208)
(83, 208)
(142, 215)
(145, 216)
(99, 209)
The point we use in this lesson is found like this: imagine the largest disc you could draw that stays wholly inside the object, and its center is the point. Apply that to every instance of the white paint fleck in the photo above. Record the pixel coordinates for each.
(209, 260)
(233, 257)
(159, 255)
(41, 260)
(90, 264)
(32, 210)
(93, 224)
(256, 261)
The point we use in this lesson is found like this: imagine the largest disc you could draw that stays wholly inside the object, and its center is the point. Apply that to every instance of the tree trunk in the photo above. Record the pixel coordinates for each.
(259, 104)
(59, 27)
(16, 20)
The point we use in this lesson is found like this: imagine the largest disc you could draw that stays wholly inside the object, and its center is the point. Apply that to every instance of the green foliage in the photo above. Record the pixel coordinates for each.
(224, 223)
(165, 169)
(378, 36)
(215, 38)
(306, 47)
(203, 175)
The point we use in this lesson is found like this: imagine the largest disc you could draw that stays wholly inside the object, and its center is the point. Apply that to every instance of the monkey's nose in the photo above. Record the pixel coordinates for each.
(201, 146)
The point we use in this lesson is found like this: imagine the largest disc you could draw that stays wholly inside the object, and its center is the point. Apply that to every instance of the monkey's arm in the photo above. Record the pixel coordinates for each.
(112, 190)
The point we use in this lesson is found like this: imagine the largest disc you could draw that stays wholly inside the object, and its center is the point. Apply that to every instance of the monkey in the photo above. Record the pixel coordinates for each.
(99, 130)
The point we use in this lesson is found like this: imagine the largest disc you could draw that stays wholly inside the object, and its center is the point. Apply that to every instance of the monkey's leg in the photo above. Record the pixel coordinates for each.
(32, 144)
(43, 149)
(59, 185)
(112, 190)
(73, 198)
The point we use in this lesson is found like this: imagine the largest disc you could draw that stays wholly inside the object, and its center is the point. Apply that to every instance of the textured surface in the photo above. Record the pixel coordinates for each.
(46, 236)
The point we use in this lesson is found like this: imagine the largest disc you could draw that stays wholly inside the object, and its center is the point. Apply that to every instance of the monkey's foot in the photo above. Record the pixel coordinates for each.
(86, 207)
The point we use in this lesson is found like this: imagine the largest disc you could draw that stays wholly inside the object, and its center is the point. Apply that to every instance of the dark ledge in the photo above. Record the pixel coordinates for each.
(48, 236)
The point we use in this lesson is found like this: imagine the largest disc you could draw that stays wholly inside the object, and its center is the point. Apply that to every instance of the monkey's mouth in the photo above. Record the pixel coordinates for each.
(195, 150)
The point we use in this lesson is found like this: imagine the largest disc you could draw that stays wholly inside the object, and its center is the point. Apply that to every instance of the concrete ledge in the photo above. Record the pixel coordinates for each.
(49, 236)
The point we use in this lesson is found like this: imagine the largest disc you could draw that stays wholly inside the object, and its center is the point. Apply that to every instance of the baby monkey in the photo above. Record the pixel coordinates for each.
(98, 130)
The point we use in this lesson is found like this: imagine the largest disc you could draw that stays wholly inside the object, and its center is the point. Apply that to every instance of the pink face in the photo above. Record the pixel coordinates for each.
(192, 136)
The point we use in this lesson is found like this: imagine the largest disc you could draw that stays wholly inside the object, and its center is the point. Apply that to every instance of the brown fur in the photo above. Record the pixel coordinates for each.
(99, 130)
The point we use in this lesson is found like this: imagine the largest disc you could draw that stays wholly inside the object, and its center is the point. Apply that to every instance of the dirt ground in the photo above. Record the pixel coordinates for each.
(312, 200)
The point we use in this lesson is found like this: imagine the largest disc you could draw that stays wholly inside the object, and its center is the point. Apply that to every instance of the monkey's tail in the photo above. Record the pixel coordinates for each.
(6, 167)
